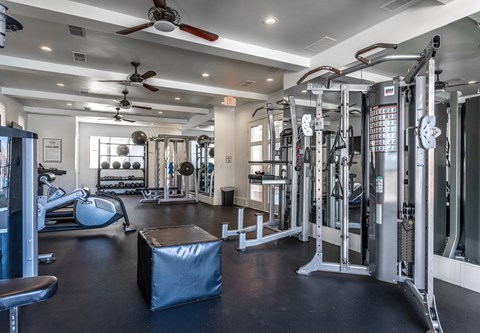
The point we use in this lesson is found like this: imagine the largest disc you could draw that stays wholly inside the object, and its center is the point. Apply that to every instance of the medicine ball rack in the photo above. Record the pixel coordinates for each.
(122, 180)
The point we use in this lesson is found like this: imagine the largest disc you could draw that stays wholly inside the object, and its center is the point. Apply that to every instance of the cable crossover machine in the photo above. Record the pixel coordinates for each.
(397, 224)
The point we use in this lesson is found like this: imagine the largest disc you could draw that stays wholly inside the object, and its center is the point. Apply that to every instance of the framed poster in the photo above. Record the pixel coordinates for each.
(52, 150)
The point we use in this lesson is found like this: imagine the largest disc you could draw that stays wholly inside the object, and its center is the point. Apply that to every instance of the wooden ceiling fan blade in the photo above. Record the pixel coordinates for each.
(119, 81)
(454, 80)
(463, 84)
(149, 87)
(141, 107)
(129, 120)
(148, 74)
(135, 28)
(210, 36)
(160, 3)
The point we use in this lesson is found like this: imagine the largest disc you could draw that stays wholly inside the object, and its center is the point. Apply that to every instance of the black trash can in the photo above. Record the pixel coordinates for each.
(227, 196)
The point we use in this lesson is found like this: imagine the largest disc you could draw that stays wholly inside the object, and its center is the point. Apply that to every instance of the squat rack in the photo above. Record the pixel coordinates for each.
(281, 227)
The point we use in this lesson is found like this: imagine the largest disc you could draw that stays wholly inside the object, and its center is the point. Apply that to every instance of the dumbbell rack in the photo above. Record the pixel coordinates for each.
(122, 181)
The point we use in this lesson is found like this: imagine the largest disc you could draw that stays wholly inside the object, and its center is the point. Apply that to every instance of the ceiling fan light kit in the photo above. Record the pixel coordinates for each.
(164, 26)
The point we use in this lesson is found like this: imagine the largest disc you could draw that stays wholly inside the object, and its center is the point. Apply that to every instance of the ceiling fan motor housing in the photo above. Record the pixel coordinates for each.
(124, 104)
(135, 77)
(166, 20)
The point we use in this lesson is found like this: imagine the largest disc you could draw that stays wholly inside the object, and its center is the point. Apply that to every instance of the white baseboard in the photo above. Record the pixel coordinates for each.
(457, 272)
(454, 271)
(332, 236)
(214, 201)
(242, 202)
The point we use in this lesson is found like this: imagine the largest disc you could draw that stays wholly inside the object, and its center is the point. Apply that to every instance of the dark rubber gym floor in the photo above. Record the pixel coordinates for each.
(98, 291)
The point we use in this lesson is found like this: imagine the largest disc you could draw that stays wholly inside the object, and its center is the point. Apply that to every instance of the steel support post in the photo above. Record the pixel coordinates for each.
(305, 197)
(294, 181)
(332, 202)
(29, 202)
(317, 260)
(271, 127)
(455, 180)
(420, 186)
(166, 190)
(344, 178)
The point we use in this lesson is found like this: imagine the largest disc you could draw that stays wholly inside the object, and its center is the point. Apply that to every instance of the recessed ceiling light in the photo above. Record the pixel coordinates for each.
(304, 91)
(270, 20)
(45, 48)
(69, 104)
(269, 79)
(177, 98)
(205, 75)
(60, 84)
(471, 82)
(222, 103)
(160, 112)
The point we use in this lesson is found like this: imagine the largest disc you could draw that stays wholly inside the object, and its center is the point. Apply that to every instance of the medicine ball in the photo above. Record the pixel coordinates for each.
(122, 150)
(105, 165)
(116, 165)
(203, 139)
(139, 138)
(211, 153)
(185, 168)
(136, 165)
(126, 165)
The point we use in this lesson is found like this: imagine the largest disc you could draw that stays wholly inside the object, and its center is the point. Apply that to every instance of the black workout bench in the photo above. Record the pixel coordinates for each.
(23, 291)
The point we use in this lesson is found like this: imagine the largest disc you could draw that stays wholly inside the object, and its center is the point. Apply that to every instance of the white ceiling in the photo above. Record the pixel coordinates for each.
(246, 50)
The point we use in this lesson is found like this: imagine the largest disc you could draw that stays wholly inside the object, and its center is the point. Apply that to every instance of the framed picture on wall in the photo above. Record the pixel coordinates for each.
(52, 150)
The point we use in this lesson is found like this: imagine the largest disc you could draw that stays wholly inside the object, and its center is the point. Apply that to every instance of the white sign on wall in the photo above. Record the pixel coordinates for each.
(52, 150)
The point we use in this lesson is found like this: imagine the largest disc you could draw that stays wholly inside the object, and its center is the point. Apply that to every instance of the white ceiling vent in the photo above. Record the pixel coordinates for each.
(76, 31)
(79, 56)
(272, 69)
(83, 91)
(247, 83)
(318, 45)
(395, 5)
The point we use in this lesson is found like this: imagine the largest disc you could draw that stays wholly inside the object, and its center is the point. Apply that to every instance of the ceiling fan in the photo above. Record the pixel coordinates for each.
(126, 104)
(442, 85)
(119, 117)
(166, 19)
(137, 78)
(353, 112)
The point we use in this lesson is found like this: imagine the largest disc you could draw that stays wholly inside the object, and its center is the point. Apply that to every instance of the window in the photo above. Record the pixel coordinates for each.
(256, 154)
(108, 150)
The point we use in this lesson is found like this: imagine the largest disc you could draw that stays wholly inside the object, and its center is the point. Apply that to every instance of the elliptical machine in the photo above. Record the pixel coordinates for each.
(88, 211)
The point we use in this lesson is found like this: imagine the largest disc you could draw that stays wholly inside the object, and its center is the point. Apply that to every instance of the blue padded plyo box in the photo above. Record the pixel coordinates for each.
(178, 265)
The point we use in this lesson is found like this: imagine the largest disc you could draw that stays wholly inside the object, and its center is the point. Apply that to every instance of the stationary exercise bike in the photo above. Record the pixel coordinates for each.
(79, 209)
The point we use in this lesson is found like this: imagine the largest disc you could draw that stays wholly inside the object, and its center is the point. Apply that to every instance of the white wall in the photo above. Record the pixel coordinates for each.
(224, 146)
(11, 110)
(88, 177)
(57, 127)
